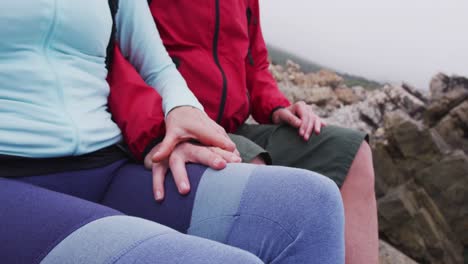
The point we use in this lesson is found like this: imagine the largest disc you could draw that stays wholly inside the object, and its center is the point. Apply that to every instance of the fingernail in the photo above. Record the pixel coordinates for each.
(159, 195)
(184, 186)
(217, 162)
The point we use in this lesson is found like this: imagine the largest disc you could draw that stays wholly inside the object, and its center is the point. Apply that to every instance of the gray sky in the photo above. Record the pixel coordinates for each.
(385, 40)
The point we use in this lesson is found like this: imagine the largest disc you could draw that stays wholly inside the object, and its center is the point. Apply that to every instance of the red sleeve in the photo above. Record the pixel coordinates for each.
(265, 96)
(135, 106)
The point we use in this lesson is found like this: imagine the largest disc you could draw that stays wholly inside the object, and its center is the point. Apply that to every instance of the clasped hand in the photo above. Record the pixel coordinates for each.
(183, 124)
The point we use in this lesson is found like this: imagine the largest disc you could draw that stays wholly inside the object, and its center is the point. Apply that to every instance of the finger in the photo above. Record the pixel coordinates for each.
(159, 174)
(305, 126)
(310, 126)
(290, 118)
(165, 148)
(203, 155)
(305, 115)
(221, 138)
(147, 161)
(237, 153)
(318, 125)
(215, 138)
(179, 172)
(229, 157)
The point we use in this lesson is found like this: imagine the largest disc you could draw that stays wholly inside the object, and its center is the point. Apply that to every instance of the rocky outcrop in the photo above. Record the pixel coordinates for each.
(448, 109)
(390, 255)
(420, 147)
(446, 93)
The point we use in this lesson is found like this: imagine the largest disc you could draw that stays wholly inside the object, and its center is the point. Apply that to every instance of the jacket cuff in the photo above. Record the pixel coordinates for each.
(274, 110)
(151, 145)
(264, 114)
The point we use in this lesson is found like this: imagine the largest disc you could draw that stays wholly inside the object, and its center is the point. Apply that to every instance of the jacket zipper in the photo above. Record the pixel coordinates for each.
(249, 22)
(216, 59)
(59, 87)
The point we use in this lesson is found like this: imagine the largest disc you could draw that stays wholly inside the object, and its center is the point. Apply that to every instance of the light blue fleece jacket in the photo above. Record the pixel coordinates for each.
(53, 89)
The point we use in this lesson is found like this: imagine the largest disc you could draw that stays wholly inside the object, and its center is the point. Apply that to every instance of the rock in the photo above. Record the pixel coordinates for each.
(326, 78)
(413, 223)
(277, 72)
(390, 255)
(349, 116)
(368, 115)
(346, 95)
(292, 67)
(320, 95)
(446, 181)
(405, 101)
(411, 139)
(421, 95)
(454, 127)
(420, 148)
(360, 92)
(446, 94)
(294, 76)
(388, 174)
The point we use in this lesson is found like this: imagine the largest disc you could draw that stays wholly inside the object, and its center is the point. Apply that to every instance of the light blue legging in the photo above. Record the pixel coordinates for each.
(260, 214)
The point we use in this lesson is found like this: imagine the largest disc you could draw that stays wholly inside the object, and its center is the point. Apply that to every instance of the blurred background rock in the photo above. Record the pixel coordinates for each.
(420, 146)
(373, 66)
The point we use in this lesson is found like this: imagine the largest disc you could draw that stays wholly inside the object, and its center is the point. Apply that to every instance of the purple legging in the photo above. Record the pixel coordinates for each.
(258, 213)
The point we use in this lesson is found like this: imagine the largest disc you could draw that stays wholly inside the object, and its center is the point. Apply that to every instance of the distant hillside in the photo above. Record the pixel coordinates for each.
(279, 56)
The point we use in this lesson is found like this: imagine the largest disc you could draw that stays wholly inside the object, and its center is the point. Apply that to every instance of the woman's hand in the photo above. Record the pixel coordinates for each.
(301, 116)
(183, 153)
(184, 123)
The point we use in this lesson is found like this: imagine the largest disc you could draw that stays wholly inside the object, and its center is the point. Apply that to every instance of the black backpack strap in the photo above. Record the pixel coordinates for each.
(114, 7)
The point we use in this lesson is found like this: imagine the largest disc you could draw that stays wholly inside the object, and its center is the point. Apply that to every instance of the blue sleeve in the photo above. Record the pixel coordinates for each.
(141, 44)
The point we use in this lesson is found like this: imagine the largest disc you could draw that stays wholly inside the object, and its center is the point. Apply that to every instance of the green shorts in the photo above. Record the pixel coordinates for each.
(331, 153)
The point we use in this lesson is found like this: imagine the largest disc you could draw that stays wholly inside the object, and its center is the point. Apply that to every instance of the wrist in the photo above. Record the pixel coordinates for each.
(274, 117)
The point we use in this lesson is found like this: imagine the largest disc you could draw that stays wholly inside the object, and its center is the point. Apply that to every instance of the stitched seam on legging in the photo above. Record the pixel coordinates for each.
(285, 248)
(57, 241)
(114, 174)
(228, 235)
(241, 202)
(134, 245)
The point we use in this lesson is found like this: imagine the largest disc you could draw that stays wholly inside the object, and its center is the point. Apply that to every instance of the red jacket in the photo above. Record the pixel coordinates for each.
(218, 47)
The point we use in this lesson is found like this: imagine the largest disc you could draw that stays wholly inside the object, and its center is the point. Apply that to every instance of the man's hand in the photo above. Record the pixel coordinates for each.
(301, 116)
(183, 153)
(185, 123)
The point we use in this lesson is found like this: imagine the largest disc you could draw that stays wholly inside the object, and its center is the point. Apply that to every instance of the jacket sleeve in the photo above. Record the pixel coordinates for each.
(135, 107)
(265, 96)
(141, 43)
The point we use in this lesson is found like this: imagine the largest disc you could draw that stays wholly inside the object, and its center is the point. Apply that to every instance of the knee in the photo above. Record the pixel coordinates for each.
(295, 209)
(237, 255)
(267, 210)
(319, 194)
(295, 196)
